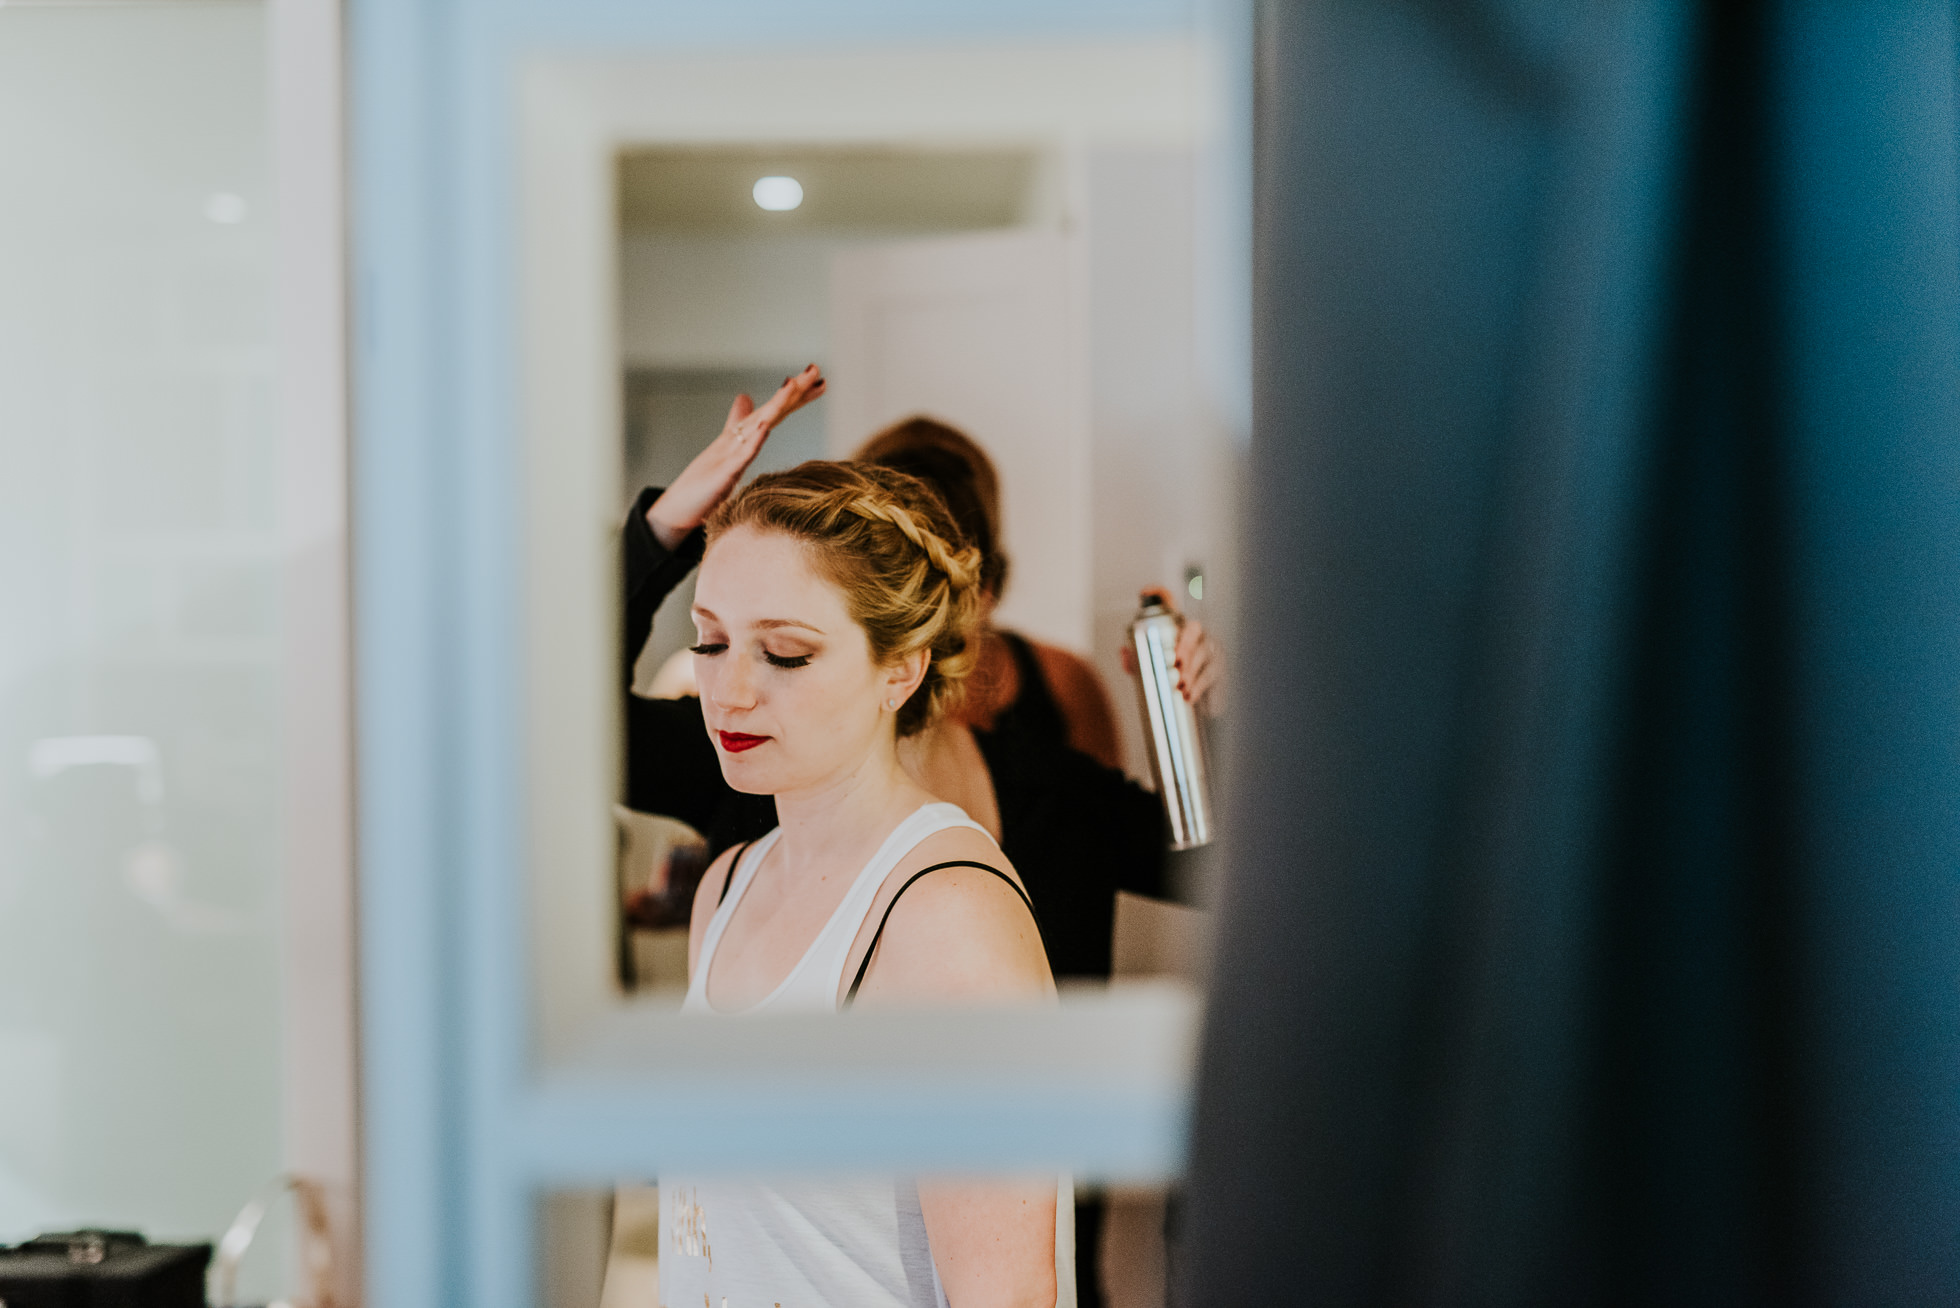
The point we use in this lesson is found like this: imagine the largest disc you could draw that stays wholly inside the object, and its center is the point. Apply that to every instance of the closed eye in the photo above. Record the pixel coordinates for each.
(707, 649)
(786, 661)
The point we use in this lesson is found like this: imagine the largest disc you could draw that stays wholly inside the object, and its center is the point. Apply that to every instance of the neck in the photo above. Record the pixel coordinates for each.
(836, 819)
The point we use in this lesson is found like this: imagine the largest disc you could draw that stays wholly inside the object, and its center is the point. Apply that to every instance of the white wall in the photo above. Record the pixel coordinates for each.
(141, 548)
(707, 301)
(984, 331)
(1161, 459)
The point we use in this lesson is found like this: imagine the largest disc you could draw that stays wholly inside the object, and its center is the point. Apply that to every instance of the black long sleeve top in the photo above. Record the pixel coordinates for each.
(1076, 831)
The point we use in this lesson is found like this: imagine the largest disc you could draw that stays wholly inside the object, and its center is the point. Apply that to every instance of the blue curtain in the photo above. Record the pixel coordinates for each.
(1593, 934)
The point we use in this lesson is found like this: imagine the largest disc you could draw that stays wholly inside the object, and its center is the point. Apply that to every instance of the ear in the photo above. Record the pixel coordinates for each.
(903, 675)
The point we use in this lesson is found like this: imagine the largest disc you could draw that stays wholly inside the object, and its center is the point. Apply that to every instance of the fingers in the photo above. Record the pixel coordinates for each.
(793, 394)
(1191, 638)
(1198, 662)
(1197, 682)
(816, 388)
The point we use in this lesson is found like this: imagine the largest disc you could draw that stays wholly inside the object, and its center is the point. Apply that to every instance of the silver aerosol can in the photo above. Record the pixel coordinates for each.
(1177, 752)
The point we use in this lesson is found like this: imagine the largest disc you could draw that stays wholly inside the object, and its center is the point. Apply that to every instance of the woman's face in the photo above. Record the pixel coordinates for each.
(792, 696)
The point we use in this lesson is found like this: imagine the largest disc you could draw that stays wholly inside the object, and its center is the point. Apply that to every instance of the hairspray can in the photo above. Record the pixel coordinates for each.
(1177, 753)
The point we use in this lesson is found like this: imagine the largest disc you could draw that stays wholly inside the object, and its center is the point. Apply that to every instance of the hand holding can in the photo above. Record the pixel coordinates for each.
(1177, 755)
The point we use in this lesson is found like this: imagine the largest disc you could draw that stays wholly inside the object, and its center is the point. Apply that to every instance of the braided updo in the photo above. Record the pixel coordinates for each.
(886, 540)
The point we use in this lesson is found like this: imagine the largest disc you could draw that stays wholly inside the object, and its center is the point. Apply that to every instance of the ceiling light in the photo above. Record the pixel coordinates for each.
(778, 193)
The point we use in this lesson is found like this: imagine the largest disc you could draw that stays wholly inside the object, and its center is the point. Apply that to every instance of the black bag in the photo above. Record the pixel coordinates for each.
(102, 1269)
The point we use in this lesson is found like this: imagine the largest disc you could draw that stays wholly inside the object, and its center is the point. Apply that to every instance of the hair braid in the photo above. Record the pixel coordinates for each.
(953, 464)
(909, 577)
(960, 564)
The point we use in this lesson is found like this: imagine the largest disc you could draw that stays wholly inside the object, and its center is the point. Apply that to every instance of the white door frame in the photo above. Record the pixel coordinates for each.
(321, 1107)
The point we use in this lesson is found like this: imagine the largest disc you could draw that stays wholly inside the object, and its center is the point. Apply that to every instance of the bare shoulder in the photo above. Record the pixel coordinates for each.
(1084, 701)
(1067, 671)
(957, 933)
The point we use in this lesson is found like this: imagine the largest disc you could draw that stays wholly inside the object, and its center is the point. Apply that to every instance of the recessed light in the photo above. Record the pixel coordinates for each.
(224, 207)
(777, 193)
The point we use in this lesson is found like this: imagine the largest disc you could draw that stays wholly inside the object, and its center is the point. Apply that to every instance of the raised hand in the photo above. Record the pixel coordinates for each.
(716, 471)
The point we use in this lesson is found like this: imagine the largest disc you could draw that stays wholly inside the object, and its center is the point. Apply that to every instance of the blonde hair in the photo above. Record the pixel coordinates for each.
(886, 540)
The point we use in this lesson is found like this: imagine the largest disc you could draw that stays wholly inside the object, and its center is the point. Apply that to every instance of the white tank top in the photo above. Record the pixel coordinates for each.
(812, 984)
(822, 1243)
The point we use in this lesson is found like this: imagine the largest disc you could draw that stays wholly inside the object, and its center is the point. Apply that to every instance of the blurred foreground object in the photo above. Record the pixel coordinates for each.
(1593, 918)
(102, 1269)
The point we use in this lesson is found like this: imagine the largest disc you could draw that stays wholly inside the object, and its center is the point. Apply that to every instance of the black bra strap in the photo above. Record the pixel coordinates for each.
(734, 866)
(865, 966)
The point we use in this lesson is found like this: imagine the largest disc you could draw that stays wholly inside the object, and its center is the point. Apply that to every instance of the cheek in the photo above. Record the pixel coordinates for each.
(838, 702)
(835, 694)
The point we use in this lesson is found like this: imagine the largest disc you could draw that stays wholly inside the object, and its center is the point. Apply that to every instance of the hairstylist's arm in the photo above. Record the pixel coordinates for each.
(718, 469)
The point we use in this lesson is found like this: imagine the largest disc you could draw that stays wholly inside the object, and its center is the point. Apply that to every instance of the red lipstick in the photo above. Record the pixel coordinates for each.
(735, 742)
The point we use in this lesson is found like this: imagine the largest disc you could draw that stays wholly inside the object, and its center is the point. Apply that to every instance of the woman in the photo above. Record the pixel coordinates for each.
(1078, 830)
(837, 609)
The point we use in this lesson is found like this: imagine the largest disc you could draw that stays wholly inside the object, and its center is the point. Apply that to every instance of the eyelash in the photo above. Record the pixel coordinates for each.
(775, 660)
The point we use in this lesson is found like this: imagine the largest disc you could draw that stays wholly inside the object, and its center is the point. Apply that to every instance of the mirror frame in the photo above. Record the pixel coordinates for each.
(500, 1060)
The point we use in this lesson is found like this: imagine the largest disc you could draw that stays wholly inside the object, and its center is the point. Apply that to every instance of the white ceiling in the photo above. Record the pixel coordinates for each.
(706, 189)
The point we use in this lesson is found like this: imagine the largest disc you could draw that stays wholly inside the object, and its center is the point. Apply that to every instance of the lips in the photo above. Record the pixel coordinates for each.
(735, 742)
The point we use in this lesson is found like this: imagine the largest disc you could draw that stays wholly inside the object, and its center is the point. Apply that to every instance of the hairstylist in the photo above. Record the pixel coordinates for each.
(1018, 684)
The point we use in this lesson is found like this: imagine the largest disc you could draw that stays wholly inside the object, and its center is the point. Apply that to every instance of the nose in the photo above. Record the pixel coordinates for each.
(733, 685)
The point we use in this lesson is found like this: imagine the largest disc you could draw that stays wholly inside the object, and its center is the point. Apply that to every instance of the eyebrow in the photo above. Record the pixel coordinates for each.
(767, 624)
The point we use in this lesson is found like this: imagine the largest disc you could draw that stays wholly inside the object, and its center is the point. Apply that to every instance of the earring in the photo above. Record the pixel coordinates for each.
(891, 703)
